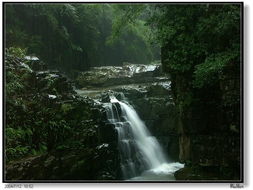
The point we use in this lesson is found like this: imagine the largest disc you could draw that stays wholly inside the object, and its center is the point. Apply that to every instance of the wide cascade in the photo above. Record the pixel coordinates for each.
(140, 153)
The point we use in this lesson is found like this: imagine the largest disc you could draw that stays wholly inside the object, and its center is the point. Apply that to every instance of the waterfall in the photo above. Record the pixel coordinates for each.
(140, 152)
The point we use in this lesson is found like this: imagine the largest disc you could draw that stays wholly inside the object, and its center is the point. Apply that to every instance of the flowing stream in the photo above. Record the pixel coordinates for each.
(141, 155)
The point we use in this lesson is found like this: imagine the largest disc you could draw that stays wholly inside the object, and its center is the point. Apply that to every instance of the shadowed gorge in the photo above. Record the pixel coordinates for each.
(135, 92)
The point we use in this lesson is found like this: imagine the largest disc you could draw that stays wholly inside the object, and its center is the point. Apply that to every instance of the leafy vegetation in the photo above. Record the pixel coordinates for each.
(200, 47)
(74, 37)
(35, 124)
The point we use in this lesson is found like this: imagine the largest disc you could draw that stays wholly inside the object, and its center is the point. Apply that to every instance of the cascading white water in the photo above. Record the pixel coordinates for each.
(140, 153)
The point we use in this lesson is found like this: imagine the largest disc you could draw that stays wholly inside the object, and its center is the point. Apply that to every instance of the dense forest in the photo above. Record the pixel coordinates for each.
(178, 65)
(74, 37)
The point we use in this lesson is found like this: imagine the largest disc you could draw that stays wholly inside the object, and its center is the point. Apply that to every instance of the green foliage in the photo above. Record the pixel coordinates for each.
(190, 35)
(211, 70)
(15, 84)
(201, 52)
(34, 125)
(131, 33)
(66, 108)
(16, 51)
(127, 15)
(198, 43)
(74, 37)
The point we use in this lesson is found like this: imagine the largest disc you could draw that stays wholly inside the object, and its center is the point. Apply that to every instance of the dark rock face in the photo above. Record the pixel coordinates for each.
(107, 133)
(208, 125)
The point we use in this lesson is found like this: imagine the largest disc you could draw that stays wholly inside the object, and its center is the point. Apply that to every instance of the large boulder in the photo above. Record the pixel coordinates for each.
(35, 63)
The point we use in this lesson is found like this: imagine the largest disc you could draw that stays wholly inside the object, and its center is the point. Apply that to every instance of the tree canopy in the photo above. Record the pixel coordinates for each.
(199, 39)
(78, 36)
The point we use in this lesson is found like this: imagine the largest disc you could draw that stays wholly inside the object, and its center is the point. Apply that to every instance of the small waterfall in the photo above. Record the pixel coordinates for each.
(140, 152)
